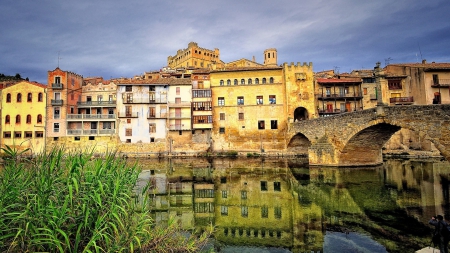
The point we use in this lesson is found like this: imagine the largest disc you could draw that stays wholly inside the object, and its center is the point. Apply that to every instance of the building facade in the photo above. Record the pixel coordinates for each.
(195, 57)
(23, 116)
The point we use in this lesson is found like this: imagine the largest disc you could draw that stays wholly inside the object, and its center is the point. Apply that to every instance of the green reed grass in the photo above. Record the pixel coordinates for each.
(58, 202)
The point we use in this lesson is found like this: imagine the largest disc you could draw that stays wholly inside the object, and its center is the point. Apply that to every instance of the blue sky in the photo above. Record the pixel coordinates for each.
(117, 38)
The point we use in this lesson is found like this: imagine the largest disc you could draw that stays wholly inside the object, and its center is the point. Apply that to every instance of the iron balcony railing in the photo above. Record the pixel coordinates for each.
(91, 116)
(157, 115)
(91, 131)
(57, 102)
(97, 103)
(440, 83)
(179, 104)
(128, 115)
(179, 116)
(401, 100)
(135, 100)
(57, 86)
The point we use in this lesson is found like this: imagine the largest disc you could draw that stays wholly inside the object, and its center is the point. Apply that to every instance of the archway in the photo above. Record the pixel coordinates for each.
(299, 144)
(301, 113)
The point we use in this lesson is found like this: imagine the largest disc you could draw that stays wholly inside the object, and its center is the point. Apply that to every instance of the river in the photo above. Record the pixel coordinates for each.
(283, 205)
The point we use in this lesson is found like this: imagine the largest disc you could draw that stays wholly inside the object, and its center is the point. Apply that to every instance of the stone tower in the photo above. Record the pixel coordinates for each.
(270, 57)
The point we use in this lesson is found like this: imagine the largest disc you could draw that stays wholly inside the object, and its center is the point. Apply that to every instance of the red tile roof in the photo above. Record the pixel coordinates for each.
(344, 80)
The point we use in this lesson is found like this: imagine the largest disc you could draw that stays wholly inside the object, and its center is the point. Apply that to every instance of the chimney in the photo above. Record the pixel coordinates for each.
(254, 60)
(424, 61)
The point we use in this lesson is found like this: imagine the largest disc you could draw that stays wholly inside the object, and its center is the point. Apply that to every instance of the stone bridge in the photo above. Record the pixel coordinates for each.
(356, 138)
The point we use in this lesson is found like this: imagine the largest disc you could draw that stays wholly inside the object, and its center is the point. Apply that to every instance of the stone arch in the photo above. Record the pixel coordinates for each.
(301, 113)
(299, 143)
(365, 146)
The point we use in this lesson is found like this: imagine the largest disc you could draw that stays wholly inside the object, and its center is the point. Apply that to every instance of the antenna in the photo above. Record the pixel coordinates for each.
(336, 70)
(386, 61)
(59, 58)
(420, 51)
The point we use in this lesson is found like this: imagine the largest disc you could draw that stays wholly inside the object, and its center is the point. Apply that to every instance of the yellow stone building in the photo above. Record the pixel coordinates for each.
(23, 116)
(195, 57)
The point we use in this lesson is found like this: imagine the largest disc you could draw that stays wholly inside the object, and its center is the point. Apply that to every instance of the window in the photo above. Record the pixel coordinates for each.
(201, 106)
(277, 212)
(17, 134)
(240, 100)
(128, 141)
(259, 100)
(264, 211)
(222, 130)
(76, 138)
(7, 119)
(128, 111)
(39, 119)
(57, 79)
(100, 98)
(222, 116)
(202, 119)
(365, 91)
(263, 185)
(273, 124)
(256, 80)
(249, 81)
(243, 194)
(56, 113)
(152, 127)
(395, 84)
(223, 180)
(241, 116)
(128, 88)
(277, 186)
(224, 210)
(29, 97)
(244, 211)
(19, 98)
(221, 82)
(224, 194)
(264, 80)
(28, 119)
(261, 125)
(56, 127)
(7, 134)
(178, 90)
(39, 134)
(242, 81)
(17, 119)
(201, 93)
(128, 132)
(228, 82)
(235, 82)
(271, 80)
(272, 99)
(221, 101)
(8, 98)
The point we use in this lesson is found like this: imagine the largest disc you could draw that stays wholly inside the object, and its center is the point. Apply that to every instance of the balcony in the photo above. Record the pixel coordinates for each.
(157, 116)
(177, 127)
(402, 100)
(202, 126)
(128, 115)
(145, 101)
(339, 96)
(97, 104)
(91, 132)
(57, 102)
(57, 86)
(179, 104)
(180, 116)
(76, 117)
(440, 83)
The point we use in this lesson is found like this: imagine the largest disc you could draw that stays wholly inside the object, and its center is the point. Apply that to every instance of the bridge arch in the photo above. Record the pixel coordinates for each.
(299, 143)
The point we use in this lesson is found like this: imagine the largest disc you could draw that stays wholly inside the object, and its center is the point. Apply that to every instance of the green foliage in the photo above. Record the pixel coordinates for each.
(61, 202)
(232, 153)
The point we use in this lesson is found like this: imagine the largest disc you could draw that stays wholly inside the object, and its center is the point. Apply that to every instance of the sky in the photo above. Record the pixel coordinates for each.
(118, 38)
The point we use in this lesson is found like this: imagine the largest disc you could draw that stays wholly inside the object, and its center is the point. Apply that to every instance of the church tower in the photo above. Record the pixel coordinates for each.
(270, 57)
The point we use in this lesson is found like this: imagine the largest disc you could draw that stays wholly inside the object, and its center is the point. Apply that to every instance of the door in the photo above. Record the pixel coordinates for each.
(348, 107)
(329, 107)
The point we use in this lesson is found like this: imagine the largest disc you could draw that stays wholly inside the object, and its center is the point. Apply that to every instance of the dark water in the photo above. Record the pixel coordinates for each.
(259, 205)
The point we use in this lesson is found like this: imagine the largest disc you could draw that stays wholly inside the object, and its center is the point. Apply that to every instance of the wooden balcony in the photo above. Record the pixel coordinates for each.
(440, 83)
(402, 100)
(338, 96)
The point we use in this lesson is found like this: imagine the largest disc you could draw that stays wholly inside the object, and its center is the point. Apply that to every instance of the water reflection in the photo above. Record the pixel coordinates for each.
(284, 206)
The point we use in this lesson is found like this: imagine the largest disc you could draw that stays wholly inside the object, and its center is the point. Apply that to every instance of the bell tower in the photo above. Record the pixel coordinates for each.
(270, 57)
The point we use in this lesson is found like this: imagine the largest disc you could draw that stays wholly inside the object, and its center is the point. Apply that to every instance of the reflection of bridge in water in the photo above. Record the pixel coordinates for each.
(356, 138)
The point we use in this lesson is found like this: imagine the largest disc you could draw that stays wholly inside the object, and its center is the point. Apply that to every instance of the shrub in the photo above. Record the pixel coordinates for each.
(61, 202)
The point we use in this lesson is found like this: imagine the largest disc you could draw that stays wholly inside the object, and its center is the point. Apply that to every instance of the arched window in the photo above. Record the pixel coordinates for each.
(39, 118)
(221, 82)
(29, 97)
(228, 82)
(28, 119)
(19, 97)
(235, 82)
(249, 81)
(242, 81)
(7, 119)
(17, 119)
(40, 97)
(8, 98)
(271, 80)
(264, 80)
(256, 80)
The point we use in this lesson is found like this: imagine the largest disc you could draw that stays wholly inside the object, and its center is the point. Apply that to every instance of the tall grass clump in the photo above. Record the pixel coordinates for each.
(60, 202)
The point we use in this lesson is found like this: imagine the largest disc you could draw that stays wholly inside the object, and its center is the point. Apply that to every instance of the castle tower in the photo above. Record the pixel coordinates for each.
(270, 57)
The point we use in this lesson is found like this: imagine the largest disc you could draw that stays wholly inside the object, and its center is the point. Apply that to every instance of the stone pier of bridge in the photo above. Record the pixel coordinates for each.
(357, 138)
